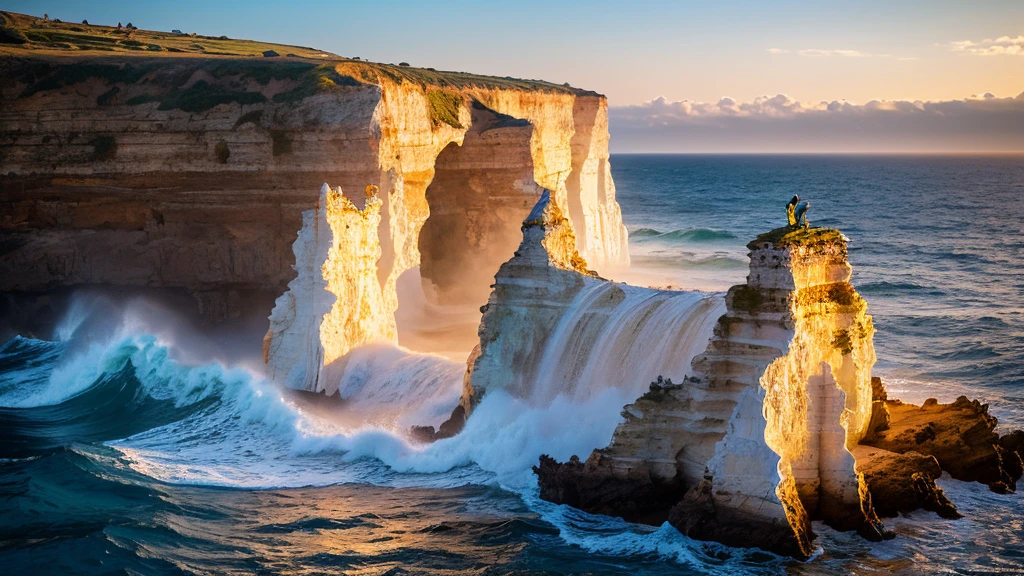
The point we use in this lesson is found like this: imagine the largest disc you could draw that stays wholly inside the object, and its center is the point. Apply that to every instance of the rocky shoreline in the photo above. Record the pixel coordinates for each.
(794, 352)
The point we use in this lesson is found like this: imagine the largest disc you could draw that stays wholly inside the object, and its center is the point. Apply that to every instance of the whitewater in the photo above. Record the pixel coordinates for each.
(133, 443)
(225, 426)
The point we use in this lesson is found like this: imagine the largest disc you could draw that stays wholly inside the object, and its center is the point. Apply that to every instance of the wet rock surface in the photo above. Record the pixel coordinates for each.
(901, 483)
(697, 516)
(960, 436)
(633, 494)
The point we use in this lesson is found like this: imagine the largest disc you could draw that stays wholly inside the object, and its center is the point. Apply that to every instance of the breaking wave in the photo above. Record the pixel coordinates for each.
(121, 416)
(690, 235)
(211, 424)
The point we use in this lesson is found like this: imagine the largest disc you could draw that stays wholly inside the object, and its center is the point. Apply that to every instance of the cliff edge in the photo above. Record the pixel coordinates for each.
(186, 165)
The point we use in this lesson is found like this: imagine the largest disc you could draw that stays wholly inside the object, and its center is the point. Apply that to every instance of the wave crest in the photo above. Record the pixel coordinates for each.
(693, 235)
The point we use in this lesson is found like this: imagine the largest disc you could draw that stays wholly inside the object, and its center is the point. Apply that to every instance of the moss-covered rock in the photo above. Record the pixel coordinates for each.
(797, 236)
(444, 107)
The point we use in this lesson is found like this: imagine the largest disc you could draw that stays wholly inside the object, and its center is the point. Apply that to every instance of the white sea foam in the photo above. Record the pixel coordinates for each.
(260, 437)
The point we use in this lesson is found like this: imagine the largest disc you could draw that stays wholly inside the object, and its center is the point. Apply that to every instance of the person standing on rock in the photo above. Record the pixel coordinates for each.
(791, 210)
(796, 212)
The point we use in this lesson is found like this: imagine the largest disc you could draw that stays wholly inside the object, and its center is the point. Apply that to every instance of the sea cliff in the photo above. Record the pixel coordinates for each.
(190, 170)
(553, 327)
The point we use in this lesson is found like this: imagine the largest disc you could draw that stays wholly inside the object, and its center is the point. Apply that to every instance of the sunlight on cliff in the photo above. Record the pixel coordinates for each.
(818, 396)
(335, 302)
(358, 315)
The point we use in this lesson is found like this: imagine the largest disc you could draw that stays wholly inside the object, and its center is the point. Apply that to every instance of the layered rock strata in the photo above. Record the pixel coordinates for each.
(759, 434)
(531, 292)
(192, 173)
(551, 327)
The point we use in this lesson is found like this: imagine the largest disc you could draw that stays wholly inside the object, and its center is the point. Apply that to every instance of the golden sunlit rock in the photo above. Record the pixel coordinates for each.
(761, 428)
(335, 302)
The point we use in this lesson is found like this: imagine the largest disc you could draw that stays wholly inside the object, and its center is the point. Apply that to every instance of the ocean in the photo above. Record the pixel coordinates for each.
(120, 455)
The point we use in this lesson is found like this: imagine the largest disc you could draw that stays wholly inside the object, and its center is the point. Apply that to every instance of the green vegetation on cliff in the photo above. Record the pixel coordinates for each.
(799, 236)
(131, 55)
(746, 299)
(841, 295)
(202, 96)
(51, 35)
(322, 78)
(444, 107)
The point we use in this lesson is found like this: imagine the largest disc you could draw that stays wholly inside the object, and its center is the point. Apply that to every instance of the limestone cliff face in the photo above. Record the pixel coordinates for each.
(552, 328)
(193, 173)
(531, 292)
(798, 338)
(335, 302)
(761, 429)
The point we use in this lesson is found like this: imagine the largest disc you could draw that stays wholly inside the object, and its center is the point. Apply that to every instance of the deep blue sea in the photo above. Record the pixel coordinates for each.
(120, 456)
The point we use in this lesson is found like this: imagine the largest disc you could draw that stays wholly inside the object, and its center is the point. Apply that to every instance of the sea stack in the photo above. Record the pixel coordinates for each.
(552, 327)
(755, 442)
(531, 291)
(335, 301)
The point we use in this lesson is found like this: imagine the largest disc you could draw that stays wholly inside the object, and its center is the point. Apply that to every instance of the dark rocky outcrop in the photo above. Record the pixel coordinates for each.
(960, 435)
(879, 412)
(450, 427)
(901, 483)
(1013, 443)
(632, 494)
(697, 516)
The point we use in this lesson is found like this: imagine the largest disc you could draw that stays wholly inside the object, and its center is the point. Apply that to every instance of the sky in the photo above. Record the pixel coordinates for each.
(681, 76)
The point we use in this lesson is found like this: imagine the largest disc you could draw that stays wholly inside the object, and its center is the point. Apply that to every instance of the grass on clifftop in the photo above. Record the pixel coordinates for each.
(444, 107)
(53, 35)
(23, 35)
(790, 236)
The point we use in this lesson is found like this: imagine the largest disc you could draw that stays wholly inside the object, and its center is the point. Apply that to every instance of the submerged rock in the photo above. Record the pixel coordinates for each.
(450, 427)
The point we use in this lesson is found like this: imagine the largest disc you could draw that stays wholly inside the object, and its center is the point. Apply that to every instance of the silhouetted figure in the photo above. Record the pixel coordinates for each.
(796, 212)
(801, 213)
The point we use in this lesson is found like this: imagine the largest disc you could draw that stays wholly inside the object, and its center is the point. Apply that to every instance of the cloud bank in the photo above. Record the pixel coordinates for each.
(1006, 45)
(781, 124)
(825, 53)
